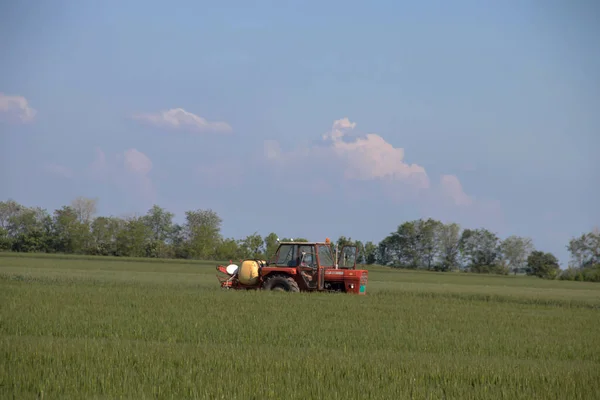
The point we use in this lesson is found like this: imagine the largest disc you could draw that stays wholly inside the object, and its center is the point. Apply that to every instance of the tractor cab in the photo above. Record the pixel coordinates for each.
(312, 259)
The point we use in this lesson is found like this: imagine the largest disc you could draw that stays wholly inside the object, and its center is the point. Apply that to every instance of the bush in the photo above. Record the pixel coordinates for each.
(586, 274)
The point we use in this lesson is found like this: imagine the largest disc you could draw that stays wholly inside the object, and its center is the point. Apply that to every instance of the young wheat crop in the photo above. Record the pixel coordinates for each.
(76, 328)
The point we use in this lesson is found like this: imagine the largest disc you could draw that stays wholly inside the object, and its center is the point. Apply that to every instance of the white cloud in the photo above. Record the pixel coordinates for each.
(368, 158)
(371, 158)
(15, 108)
(178, 118)
(137, 162)
(453, 189)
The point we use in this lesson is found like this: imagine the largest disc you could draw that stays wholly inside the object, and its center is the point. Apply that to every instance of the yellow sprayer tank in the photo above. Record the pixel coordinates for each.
(249, 271)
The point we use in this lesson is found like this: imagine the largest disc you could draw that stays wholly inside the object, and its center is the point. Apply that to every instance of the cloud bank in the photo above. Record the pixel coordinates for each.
(342, 159)
(368, 158)
(16, 109)
(180, 119)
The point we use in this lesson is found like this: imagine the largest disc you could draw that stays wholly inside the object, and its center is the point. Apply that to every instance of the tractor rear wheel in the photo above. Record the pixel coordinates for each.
(283, 283)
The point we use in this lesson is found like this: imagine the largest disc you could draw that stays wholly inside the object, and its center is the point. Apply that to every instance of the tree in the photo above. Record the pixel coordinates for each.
(133, 238)
(160, 223)
(203, 228)
(402, 246)
(344, 241)
(228, 249)
(481, 249)
(252, 246)
(414, 244)
(427, 244)
(104, 232)
(370, 253)
(179, 241)
(270, 245)
(360, 250)
(542, 265)
(9, 209)
(585, 249)
(515, 251)
(427, 241)
(68, 231)
(449, 243)
(30, 230)
(84, 209)
(5, 241)
(386, 251)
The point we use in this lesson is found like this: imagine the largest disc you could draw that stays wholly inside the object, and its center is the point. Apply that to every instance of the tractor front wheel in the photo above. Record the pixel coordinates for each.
(281, 283)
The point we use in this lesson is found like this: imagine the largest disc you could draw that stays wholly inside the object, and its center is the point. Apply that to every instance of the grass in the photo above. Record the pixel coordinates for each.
(73, 327)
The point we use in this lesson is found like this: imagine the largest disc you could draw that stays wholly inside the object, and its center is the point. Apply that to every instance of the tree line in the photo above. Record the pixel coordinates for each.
(424, 244)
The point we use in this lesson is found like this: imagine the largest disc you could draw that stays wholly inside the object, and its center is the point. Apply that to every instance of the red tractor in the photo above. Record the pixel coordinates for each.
(299, 266)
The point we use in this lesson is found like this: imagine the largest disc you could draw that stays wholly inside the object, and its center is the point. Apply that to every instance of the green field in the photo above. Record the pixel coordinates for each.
(90, 328)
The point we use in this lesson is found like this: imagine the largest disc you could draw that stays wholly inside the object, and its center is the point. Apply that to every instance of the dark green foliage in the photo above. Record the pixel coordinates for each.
(424, 244)
(542, 265)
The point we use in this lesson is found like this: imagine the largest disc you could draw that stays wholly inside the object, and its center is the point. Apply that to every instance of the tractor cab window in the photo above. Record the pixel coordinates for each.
(325, 256)
(307, 256)
(286, 256)
(348, 257)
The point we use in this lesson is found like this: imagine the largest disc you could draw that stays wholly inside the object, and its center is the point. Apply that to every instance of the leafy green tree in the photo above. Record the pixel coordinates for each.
(30, 230)
(9, 210)
(5, 241)
(203, 228)
(252, 246)
(133, 238)
(370, 253)
(179, 241)
(270, 245)
(403, 247)
(386, 251)
(481, 249)
(542, 265)
(449, 247)
(515, 250)
(71, 234)
(585, 249)
(344, 241)
(360, 247)
(228, 249)
(104, 232)
(414, 244)
(160, 223)
(428, 242)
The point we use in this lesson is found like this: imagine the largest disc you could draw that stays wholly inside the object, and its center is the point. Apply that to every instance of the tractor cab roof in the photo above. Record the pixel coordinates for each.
(326, 242)
(305, 243)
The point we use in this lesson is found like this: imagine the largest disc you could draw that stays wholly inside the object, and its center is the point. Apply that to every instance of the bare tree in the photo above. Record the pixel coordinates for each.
(84, 208)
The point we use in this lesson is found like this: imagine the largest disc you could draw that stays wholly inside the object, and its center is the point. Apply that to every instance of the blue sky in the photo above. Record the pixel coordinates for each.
(311, 119)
